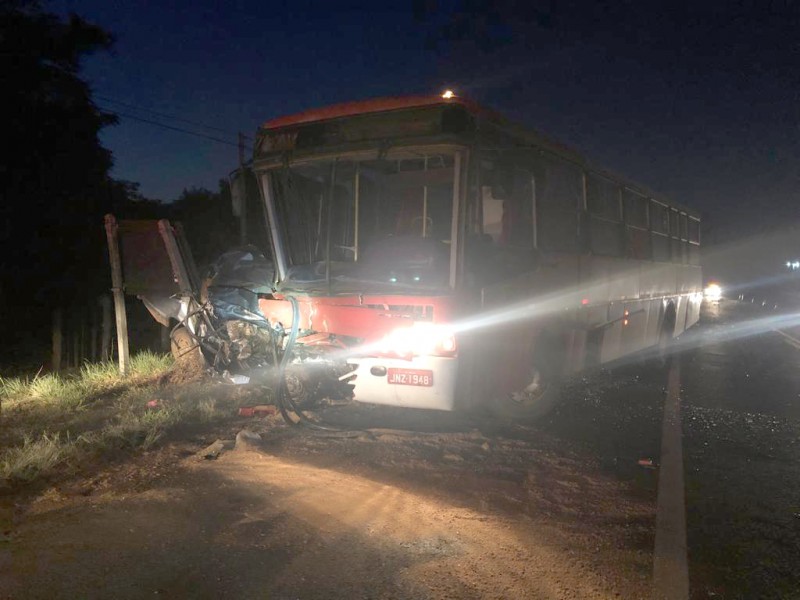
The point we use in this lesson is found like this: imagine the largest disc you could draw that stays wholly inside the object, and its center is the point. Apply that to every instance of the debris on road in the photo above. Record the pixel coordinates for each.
(214, 450)
(260, 410)
(247, 440)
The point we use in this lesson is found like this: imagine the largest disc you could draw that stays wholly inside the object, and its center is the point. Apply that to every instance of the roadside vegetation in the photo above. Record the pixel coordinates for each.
(52, 423)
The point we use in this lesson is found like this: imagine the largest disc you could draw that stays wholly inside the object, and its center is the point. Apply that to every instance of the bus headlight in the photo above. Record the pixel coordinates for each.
(421, 339)
(713, 292)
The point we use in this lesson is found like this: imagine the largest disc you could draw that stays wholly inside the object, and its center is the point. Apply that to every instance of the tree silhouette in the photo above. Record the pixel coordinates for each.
(53, 171)
(206, 216)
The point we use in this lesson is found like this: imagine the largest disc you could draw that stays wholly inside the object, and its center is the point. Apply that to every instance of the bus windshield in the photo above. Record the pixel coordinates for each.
(383, 221)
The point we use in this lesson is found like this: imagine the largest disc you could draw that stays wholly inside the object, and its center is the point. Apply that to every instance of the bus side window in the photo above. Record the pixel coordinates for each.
(637, 236)
(603, 204)
(508, 207)
(659, 225)
(559, 197)
(518, 212)
(684, 234)
(243, 184)
(694, 230)
(674, 233)
(694, 241)
(505, 246)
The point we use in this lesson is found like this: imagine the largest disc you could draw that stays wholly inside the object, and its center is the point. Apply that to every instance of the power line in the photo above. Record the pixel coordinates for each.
(160, 114)
(179, 129)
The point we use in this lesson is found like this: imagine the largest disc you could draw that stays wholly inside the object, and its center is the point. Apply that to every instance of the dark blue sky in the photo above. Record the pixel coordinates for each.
(700, 103)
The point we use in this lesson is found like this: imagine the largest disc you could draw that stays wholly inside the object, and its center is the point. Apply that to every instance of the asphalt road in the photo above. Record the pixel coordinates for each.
(741, 423)
(739, 389)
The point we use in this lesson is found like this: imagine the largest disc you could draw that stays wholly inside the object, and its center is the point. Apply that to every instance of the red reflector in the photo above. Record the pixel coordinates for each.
(585, 301)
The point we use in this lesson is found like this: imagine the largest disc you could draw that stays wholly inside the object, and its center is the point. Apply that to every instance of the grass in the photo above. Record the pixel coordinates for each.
(34, 456)
(71, 391)
(52, 422)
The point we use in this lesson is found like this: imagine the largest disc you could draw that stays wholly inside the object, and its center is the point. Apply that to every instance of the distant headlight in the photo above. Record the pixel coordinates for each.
(713, 292)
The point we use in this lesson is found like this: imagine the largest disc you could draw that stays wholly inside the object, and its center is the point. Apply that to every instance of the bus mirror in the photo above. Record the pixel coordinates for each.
(237, 192)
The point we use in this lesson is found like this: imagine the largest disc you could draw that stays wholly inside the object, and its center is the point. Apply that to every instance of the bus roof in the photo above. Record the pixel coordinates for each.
(387, 104)
(373, 105)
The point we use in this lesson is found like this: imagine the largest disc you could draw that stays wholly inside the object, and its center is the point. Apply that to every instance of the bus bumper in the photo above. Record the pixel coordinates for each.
(422, 382)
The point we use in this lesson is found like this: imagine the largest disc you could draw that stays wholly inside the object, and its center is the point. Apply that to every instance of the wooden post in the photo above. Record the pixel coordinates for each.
(105, 329)
(57, 340)
(112, 234)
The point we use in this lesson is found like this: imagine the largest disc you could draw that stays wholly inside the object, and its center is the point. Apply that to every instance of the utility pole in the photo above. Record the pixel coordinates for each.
(112, 234)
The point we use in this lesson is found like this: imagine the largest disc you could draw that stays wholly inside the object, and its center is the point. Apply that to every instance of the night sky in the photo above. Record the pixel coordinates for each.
(698, 102)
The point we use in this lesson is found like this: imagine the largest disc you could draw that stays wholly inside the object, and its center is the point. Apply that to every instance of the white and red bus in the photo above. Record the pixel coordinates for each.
(448, 257)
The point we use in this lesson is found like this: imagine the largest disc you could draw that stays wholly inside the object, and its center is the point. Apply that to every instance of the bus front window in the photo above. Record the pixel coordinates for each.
(380, 220)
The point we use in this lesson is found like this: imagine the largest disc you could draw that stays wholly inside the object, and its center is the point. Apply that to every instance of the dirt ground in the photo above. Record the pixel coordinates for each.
(448, 510)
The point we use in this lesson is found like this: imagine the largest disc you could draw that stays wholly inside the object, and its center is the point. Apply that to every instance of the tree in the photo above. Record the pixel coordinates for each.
(54, 184)
(127, 202)
(206, 216)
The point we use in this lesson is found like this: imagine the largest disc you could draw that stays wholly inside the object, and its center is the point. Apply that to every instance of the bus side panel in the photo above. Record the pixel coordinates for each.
(658, 279)
(689, 285)
(618, 284)
(635, 331)
(655, 312)
(693, 312)
(607, 279)
(500, 353)
(612, 334)
(680, 314)
(504, 358)
(691, 278)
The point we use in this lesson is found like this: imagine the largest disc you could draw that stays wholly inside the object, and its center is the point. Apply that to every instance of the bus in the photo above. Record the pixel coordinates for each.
(430, 253)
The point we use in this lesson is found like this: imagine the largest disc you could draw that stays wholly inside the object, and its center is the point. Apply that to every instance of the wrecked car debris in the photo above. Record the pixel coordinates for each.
(213, 451)
(247, 440)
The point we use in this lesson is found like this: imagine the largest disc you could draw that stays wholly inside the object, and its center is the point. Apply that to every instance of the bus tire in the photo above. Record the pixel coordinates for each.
(185, 349)
(543, 393)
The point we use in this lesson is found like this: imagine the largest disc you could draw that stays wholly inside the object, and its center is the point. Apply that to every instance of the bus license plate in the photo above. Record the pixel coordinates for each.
(410, 377)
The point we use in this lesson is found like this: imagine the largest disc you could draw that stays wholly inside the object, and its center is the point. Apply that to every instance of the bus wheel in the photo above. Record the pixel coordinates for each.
(302, 387)
(543, 393)
(186, 350)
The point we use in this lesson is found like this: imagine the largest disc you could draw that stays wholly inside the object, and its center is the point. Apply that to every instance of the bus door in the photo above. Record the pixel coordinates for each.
(500, 262)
